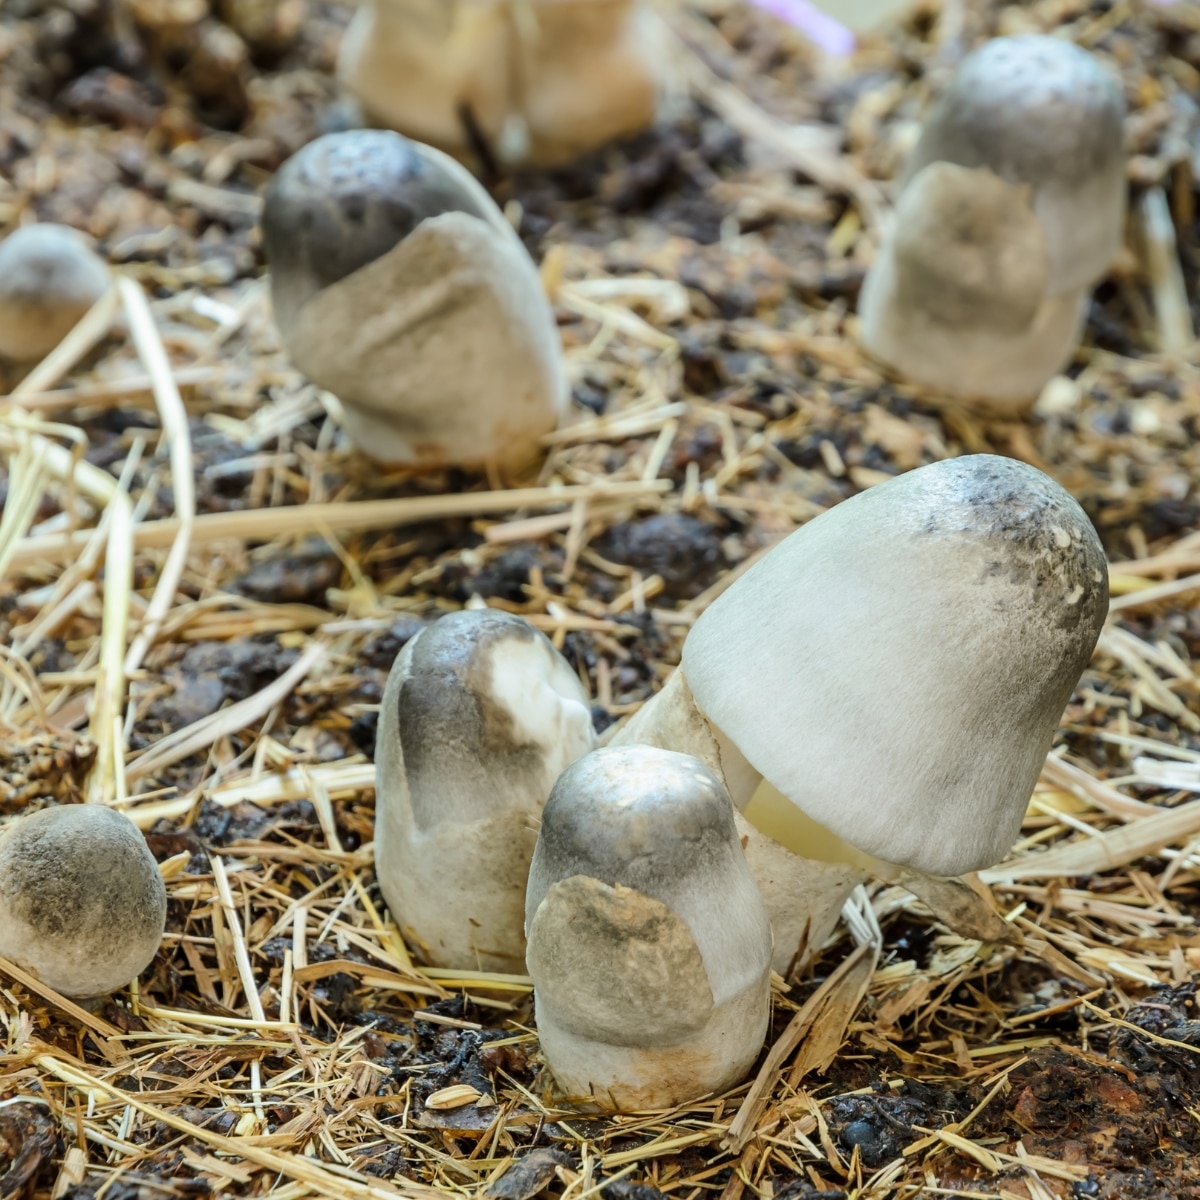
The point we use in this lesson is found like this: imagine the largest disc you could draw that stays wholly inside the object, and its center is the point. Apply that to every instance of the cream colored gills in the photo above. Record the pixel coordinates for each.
(863, 15)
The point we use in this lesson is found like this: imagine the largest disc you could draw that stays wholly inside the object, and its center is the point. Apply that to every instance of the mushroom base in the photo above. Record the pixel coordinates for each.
(607, 1078)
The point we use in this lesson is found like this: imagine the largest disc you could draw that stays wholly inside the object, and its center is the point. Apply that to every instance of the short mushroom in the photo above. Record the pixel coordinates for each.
(649, 945)
(957, 298)
(82, 902)
(49, 278)
(541, 82)
(479, 717)
(1042, 111)
(399, 287)
(880, 691)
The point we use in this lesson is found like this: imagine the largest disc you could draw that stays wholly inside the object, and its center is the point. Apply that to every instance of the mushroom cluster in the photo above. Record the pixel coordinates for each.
(1012, 206)
(480, 716)
(398, 286)
(649, 945)
(539, 82)
(49, 278)
(82, 903)
(880, 691)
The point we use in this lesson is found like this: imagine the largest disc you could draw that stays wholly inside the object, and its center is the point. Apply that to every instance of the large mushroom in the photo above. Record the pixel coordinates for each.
(1012, 205)
(539, 82)
(480, 716)
(399, 287)
(49, 277)
(880, 691)
(649, 946)
(82, 903)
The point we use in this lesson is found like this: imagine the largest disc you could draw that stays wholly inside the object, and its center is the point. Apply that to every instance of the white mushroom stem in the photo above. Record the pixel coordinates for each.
(649, 946)
(479, 717)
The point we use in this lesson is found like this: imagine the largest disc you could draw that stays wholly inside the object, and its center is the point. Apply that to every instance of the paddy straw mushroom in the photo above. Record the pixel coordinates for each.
(398, 286)
(880, 691)
(649, 946)
(49, 278)
(82, 902)
(479, 717)
(1012, 205)
(539, 82)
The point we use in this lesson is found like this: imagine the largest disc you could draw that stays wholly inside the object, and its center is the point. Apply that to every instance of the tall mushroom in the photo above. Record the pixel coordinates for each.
(540, 82)
(82, 902)
(1012, 205)
(880, 691)
(649, 946)
(49, 278)
(480, 716)
(399, 287)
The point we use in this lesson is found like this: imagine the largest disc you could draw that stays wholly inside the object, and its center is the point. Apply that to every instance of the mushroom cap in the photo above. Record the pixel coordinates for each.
(344, 201)
(898, 666)
(49, 278)
(82, 903)
(479, 717)
(659, 824)
(1040, 110)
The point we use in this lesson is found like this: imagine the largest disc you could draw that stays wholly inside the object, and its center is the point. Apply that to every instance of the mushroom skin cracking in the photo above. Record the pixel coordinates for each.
(479, 717)
(918, 644)
(82, 903)
(49, 278)
(398, 286)
(649, 944)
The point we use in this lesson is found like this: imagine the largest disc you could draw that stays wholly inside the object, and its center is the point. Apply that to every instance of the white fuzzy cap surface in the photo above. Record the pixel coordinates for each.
(1041, 110)
(897, 667)
(49, 278)
(479, 717)
(82, 903)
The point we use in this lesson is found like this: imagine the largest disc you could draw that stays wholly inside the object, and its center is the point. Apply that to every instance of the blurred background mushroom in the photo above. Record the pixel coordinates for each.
(649, 946)
(82, 903)
(541, 81)
(49, 278)
(1044, 116)
(479, 717)
(399, 287)
(880, 691)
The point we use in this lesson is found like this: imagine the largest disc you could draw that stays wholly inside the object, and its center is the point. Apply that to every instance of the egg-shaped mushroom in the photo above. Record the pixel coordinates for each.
(649, 945)
(880, 691)
(49, 277)
(479, 717)
(399, 287)
(82, 903)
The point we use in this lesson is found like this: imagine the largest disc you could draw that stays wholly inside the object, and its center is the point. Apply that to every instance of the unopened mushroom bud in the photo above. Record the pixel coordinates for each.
(649, 945)
(82, 903)
(480, 716)
(399, 287)
(958, 296)
(880, 691)
(538, 82)
(49, 278)
(1042, 111)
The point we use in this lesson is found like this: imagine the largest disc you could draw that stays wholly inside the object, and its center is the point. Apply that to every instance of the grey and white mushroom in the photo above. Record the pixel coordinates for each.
(480, 716)
(49, 278)
(649, 945)
(880, 691)
(399, 287)
(1012, 205)
(540, 82)
(82, 903)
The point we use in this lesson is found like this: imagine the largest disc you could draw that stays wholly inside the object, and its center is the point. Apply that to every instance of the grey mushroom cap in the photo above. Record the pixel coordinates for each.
(49, 278)
(344, 201)
(897, 667)
(82, 902)
(660, 823)
(1040, 110)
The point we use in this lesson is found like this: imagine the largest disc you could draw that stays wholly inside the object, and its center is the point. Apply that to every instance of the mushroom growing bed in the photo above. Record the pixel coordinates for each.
(203, 588)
